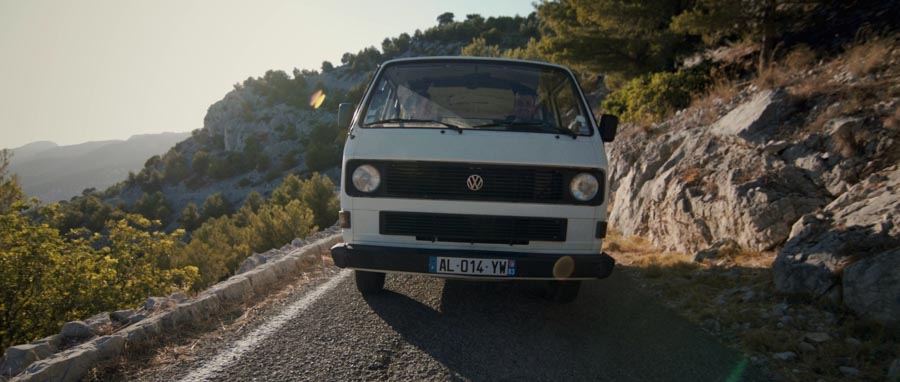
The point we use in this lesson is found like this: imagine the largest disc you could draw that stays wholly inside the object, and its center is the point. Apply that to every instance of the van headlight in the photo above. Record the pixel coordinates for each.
(366, 178)
(584, 186)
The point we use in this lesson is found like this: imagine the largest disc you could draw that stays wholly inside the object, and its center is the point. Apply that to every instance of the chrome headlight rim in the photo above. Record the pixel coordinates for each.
(584, 179)
(366, 178)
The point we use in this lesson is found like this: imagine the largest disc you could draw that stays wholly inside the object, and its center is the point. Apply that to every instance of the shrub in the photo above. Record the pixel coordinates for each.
(653, 97)
(47, 279)
(317, 192)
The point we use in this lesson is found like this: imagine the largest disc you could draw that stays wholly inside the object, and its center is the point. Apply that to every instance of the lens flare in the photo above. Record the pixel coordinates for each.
(315, 101)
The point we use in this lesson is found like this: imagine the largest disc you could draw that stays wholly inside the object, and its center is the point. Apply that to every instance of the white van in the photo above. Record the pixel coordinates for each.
(476, 168)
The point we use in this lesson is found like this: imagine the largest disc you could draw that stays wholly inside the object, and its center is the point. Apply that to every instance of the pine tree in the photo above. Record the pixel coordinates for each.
(626, 38)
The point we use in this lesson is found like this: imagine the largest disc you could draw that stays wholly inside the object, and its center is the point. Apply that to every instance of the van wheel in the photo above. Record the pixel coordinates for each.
(563, 291)
(369, 282)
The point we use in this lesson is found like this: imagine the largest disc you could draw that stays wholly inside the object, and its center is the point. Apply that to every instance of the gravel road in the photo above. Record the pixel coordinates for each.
(424, 328)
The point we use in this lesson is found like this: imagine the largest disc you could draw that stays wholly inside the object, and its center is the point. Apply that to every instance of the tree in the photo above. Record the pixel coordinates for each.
(760, 21)
(445, 18)
(318, 194)
(154, 206)
(327, 67)
(216, 205)
(10, 192)
(611, 36)
(275, 225)
(289, 190)
(322, 157)
(479, 47)
(253, 201)
(200, 163)
(190, 217)
(175, 166)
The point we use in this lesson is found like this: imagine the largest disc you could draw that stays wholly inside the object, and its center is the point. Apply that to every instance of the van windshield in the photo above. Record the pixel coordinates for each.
(477, 95)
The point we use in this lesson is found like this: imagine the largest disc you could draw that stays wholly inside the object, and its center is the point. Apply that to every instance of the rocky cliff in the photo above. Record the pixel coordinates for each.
(807, 168)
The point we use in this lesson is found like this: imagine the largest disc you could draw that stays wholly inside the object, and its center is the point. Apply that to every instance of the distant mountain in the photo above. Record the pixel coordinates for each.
(52, 173)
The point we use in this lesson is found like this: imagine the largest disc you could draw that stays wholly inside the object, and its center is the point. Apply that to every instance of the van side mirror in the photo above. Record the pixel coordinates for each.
(345, 113)
(608, 125)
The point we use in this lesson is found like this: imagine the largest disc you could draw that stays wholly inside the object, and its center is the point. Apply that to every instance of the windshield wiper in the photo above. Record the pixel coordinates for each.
(514, 124)
(402, 120)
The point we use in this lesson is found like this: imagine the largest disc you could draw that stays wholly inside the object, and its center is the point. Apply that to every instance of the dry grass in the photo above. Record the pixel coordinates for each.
(800, 59)
(736, 301)
(871, 56)
(690, 176)
(616, 242)
(668, 264)
(719, 93)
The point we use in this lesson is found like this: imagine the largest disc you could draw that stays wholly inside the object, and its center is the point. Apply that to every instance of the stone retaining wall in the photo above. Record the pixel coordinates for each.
(39, 360)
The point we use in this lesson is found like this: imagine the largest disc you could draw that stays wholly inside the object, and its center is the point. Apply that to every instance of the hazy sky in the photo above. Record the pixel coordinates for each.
(76, 71)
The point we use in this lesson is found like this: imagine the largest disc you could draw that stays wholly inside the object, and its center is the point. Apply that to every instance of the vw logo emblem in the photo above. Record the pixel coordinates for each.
(475, 182)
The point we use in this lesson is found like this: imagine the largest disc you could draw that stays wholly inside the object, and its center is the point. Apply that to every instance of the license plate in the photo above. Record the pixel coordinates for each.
(466, 266)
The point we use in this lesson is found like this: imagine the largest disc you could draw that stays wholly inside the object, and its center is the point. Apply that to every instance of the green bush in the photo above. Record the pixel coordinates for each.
(216, 205)
(317, 193)
(651, 98)
(154, 206)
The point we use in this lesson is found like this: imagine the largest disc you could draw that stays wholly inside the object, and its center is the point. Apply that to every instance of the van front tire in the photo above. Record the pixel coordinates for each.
(369, 282)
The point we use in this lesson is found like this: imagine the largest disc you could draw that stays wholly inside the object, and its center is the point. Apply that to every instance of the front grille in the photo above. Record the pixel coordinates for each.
(448, 181)
(472, 228)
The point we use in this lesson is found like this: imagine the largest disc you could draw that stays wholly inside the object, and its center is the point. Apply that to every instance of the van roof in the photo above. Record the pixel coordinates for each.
(472, 58)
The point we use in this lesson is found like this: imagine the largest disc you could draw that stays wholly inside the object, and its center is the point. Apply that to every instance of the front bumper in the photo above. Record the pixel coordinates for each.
(416, 260)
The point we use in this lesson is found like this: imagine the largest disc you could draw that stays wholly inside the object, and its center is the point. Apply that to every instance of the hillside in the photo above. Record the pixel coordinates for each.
(52, 173)
(268, 127)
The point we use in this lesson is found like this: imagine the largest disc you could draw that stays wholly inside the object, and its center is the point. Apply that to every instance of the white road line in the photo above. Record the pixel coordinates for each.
(234, 352)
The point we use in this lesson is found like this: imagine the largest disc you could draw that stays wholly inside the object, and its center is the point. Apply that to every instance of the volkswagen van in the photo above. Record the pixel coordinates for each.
(476, 168)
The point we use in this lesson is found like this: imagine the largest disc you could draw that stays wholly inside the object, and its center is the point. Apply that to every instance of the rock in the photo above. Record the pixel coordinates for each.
(781, 309)
(862, 224)
(711, 325)
(73, 364)
(54, 341)
(122, 315)
(852, 341)
(817, 337)
(76, 330)
(755, 120)
(178, 297)
(233, 290)
(716, 251)
(748, 296)
(692, 187)
(261, 278)
(893, 373)
(136, 318)
(297, 242)
(872, 287)
(775, 148)
(99, 323)
(806, 347)
(251, 262)
(154, 303)
(785, 356)
(17, 358)
(848, 371)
